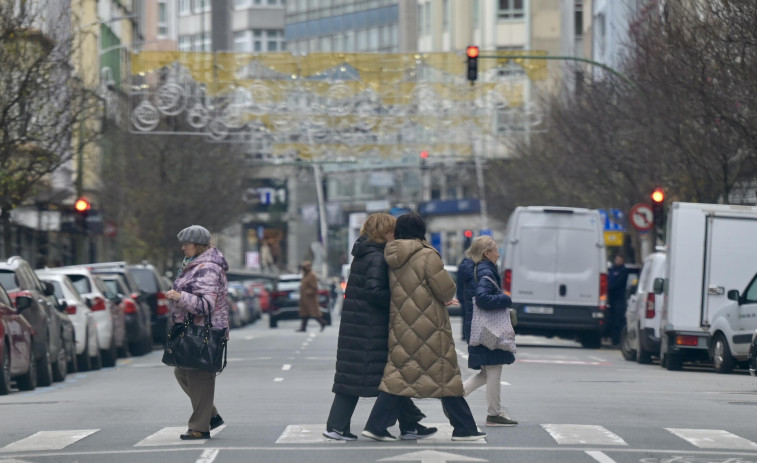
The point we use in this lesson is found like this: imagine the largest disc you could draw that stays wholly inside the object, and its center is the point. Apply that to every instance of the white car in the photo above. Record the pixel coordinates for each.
(640, 338)
(85, 326)
(104, 311)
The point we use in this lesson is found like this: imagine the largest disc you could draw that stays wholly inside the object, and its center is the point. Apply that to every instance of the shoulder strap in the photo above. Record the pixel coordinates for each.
(492, 280)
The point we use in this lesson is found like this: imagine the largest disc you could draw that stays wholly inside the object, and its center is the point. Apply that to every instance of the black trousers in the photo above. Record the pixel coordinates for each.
(386, 410)
(344, 405)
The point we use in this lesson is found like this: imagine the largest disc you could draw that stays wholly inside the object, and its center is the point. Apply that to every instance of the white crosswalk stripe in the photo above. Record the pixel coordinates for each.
(48, 440)
(570, 434)
(170, 436)
(713, 439)
(313, 434)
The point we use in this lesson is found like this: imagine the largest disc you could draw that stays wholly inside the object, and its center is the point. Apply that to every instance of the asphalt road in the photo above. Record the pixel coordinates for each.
(573, 405)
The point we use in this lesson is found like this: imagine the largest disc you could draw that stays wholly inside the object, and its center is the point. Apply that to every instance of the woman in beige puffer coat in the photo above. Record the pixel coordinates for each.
(422, 361)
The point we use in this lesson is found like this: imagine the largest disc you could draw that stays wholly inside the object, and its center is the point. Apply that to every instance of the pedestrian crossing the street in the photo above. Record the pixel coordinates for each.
(560, 434)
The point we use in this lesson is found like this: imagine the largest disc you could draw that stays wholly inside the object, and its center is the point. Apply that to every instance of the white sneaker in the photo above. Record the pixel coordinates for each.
(385, 437)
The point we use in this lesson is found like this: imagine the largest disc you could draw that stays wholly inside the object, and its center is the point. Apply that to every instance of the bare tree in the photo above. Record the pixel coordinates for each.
(41, 103)
(158, 185)
(687, 123)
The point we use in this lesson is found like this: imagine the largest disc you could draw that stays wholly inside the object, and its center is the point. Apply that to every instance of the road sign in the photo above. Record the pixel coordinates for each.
(642, 217)
(614, 238)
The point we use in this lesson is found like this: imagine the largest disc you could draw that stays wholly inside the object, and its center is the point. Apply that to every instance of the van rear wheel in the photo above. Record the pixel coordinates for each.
(722, 359)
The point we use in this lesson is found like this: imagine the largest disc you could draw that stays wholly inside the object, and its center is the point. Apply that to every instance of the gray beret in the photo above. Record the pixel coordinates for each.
(194, 234)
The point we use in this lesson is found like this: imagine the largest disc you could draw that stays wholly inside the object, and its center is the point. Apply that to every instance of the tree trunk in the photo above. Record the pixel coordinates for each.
(5, 219)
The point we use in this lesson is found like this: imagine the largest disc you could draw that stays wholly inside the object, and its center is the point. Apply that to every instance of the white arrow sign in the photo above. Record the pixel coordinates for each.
(430, 456)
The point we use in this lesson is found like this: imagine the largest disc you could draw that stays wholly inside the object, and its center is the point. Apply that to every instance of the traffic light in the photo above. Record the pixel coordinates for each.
(82, 207)
(467, 239)
(424, 158)
(472, 53)
(658, 206)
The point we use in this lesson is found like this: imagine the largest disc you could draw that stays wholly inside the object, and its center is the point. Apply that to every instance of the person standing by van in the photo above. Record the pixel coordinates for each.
(616, 295)
(484, 254)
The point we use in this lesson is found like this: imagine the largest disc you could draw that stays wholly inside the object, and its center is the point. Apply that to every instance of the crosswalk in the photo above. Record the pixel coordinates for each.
(561, 435)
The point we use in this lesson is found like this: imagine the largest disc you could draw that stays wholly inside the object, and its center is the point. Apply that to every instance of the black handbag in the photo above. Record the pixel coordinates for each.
(196, 347)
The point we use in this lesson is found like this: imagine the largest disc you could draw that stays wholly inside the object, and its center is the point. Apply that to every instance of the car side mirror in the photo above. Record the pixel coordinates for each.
(659, 285)
(49, 288)
(23, 302)
(733, 295)
(88, 301)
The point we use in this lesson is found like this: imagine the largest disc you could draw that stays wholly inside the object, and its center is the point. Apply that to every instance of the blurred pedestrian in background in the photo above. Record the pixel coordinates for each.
(202, 275)
(422, 361)
(616, 294)
(309, 307)
(484, 255)
(363, 333)
(466, 289)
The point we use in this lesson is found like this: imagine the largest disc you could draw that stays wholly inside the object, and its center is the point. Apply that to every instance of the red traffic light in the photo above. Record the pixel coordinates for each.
(472, 52)
(82, 204)
(658, 195)
(424, 154)
(468, 233)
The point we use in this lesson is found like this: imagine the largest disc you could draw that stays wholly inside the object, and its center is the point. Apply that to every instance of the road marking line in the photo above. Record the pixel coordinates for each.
(48, 440)
(505, 383)
(286, 367)
(278, 380)
(599, 456)
(208, 456)
(572, 434)
(247, 338)
(170, 436)
(713, 439)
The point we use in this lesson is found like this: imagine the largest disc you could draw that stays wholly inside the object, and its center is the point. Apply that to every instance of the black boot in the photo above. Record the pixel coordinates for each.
(323, 323)
(302, 326)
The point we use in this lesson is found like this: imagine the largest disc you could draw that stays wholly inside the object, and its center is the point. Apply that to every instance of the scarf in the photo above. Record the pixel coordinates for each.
(184, 263)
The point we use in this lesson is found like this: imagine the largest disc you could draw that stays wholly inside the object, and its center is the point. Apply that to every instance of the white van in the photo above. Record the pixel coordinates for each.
(555, 270)
(710, 250)
(640, 338)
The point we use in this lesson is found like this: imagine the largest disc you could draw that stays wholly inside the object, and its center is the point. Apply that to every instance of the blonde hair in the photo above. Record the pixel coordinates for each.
(479, 247)
(377, 225)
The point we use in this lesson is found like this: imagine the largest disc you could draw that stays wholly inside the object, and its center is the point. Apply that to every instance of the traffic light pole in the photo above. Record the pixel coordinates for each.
(567, 58)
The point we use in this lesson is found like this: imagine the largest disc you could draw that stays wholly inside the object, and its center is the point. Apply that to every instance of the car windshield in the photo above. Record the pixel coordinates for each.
(145, 280)
(289, 284)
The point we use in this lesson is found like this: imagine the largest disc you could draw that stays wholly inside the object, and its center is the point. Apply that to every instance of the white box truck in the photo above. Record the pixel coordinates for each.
(710, 250)
(555, 270)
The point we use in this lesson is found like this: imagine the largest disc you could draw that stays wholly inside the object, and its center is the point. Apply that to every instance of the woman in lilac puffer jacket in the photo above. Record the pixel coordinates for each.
(202, 275)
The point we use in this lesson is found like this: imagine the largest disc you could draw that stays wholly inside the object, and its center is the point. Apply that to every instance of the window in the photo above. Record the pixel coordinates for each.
(202, 5)
(185, 43)
(476, 16)
(239, 4)
(184, 7)
(510, 9)
(242, 42)
(162, 19)
(579, 19)
(445, 15)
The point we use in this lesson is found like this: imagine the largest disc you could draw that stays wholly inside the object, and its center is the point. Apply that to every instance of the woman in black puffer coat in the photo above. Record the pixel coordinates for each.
(362, 348)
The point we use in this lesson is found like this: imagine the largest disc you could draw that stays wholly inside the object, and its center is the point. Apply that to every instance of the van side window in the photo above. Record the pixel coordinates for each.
(750, 295)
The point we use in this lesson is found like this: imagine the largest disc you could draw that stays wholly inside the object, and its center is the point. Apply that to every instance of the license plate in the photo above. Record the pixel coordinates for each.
(538, 309)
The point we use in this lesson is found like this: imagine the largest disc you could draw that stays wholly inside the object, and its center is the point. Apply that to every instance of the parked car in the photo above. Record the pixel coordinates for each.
(285, 300)
(154, 289)
(16, 345)
(85, 326)
(252, 310)
(555, 271)
(733, 328)
(640, 338)
(261, 290)
(54, 345)
(454, 309)
(136, 313)
(111, 325)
